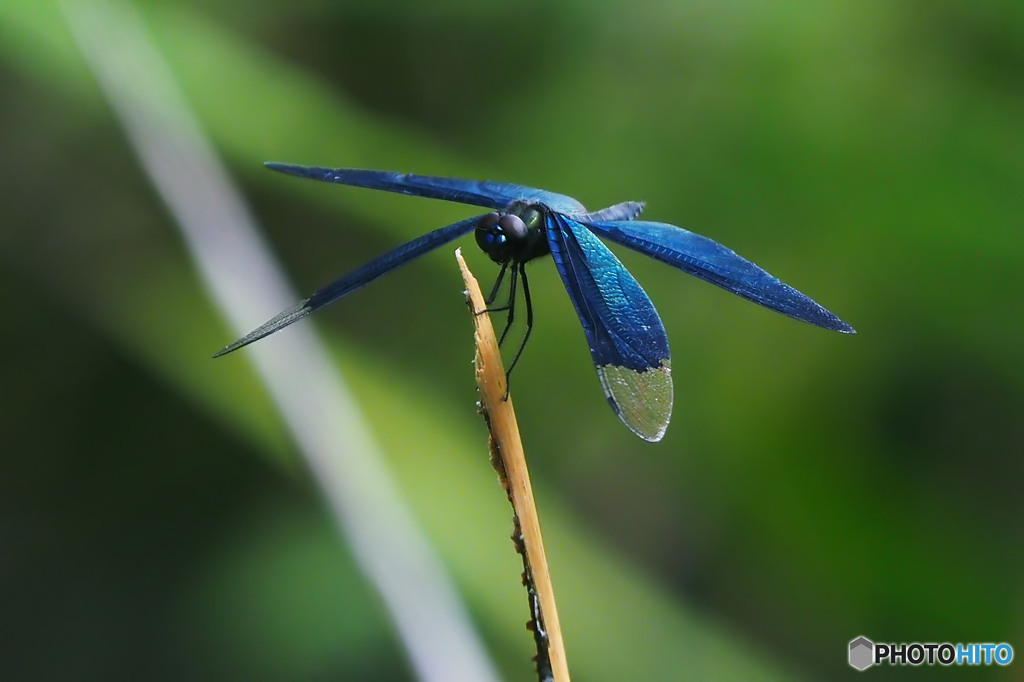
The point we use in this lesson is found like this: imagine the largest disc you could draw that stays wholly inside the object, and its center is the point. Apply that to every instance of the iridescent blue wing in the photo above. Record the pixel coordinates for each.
(486, 193)
(627, 210)
(712, 262)
(626, 337)
(356, 280)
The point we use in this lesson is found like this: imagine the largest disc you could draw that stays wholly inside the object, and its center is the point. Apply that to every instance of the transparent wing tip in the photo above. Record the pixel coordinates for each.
(641, 399)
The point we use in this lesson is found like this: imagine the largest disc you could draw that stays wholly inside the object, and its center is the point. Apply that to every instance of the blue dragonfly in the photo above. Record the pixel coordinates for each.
(627, 339)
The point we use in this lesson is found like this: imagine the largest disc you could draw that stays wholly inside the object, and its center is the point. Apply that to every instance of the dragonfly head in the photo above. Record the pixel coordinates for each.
(513, 235)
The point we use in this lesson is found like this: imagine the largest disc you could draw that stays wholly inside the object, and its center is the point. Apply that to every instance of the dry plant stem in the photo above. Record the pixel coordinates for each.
(507, 448)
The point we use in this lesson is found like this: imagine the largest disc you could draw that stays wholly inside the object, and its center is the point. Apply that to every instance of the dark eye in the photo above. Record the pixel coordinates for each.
(513, 226)
(488, 221)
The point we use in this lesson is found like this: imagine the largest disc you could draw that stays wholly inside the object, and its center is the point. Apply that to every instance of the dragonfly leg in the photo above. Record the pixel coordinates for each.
(494, 294)
(529, 325)
(511, 306)
(497, 284)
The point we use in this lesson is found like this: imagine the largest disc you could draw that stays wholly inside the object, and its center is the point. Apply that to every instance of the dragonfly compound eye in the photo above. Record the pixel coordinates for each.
(513, 226)
(487, 221)
(490, 237)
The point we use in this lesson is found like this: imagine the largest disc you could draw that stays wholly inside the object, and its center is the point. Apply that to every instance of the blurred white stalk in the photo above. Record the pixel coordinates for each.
(244, 280)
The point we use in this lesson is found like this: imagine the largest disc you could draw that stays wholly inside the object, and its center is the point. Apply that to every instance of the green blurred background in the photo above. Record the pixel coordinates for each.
(155, 522)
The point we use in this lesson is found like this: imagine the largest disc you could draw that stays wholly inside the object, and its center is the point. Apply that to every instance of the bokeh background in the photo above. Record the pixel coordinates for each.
(155, 522)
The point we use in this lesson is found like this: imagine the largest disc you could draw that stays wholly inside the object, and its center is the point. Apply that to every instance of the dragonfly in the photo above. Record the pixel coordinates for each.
(627, 339)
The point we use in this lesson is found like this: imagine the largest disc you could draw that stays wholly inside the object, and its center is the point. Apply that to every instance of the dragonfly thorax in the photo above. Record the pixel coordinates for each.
(514, 235)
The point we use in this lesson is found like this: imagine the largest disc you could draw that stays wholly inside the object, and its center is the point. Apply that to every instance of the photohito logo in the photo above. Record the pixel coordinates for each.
(864, 653)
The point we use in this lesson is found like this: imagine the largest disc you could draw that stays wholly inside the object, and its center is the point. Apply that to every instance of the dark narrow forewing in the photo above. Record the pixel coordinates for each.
(355, 280)
(714, 263)
(626, 337)
(477, 193)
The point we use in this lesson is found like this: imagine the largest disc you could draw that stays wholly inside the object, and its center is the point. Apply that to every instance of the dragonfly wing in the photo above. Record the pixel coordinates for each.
(627, 340)
(356, 280)
(476, 193)
(714, 263)
(627, 210)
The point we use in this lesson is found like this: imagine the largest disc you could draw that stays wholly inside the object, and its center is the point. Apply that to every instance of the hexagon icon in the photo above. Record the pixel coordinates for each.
(862, 653)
